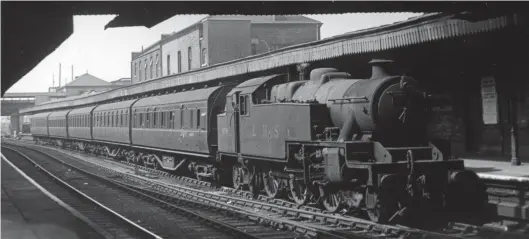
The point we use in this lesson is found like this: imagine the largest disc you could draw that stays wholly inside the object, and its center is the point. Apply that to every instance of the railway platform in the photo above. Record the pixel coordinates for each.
(492, 168)
(29, 212)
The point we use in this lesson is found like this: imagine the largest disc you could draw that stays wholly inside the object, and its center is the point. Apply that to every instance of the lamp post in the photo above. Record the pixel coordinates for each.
(515, 160)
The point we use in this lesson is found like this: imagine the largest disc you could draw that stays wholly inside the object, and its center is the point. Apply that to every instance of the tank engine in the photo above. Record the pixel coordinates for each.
(347, 143)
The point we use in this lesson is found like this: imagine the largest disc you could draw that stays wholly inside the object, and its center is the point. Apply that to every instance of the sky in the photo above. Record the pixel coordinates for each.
(107, 53)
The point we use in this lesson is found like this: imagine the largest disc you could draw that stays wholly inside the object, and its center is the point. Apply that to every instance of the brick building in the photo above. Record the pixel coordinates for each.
(217, 39)
(146, 65)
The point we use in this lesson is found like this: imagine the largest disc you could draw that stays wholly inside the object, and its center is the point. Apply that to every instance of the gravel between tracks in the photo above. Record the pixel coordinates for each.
(165, 223)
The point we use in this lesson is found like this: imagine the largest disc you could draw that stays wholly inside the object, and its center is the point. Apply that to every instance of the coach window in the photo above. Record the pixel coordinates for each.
(148, 119)
(198, 118)
(177, 119)
(154, 118)
(182, 111)
(192, 118)
(162, 119)
(142, 119)
(171, 119)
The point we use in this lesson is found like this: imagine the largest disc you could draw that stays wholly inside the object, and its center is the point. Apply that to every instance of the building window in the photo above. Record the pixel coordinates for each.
(168, 64)
(204, 57)
(151, 67)
(156, 67)
(141, 71)
(189, 56)
(135, 70)
(179, 61)
(145, 70)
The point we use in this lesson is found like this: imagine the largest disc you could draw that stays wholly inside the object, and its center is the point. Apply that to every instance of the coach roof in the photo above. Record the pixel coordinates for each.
(84, 110)
(113, 106)
(59, 114)
(180, 97)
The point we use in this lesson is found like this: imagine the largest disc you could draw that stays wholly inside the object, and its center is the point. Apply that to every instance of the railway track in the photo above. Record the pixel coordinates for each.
(109, 223)
(195, 190)
(155, 215)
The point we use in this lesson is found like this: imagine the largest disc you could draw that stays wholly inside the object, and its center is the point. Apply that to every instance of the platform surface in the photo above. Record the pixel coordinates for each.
(28, 213)
(493, 167)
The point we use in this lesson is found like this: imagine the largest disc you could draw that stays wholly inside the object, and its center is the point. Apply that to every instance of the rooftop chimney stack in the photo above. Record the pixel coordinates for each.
(380, 68)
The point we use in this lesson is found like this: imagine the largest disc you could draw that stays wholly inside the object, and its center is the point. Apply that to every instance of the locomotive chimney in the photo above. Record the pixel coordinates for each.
(380, 68)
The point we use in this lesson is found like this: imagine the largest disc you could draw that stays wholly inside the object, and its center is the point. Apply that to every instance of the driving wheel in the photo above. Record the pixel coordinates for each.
(271, 185)
(299, 191)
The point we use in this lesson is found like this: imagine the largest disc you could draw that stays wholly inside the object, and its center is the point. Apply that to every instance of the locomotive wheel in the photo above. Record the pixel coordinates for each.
(332, 201)
(237, 177)
(271, 185)
(384, 208)
(299, 191)
(255, 184)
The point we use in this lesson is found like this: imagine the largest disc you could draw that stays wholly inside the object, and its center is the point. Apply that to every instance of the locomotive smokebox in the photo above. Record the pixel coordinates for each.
(381, 68)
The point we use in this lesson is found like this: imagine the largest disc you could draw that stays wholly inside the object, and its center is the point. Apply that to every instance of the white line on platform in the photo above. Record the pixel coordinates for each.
(70, 209)
(503, 177)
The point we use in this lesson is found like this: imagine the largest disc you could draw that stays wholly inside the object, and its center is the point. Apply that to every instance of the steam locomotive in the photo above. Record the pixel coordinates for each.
(347, 144)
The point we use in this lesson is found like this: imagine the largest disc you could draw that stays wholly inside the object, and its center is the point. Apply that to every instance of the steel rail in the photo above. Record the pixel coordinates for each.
(61, 203)
(347, 223)
(144, 233)
(136, 190)
(300, 213)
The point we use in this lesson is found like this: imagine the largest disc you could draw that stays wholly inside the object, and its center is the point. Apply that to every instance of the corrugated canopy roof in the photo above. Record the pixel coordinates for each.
(414, 31)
